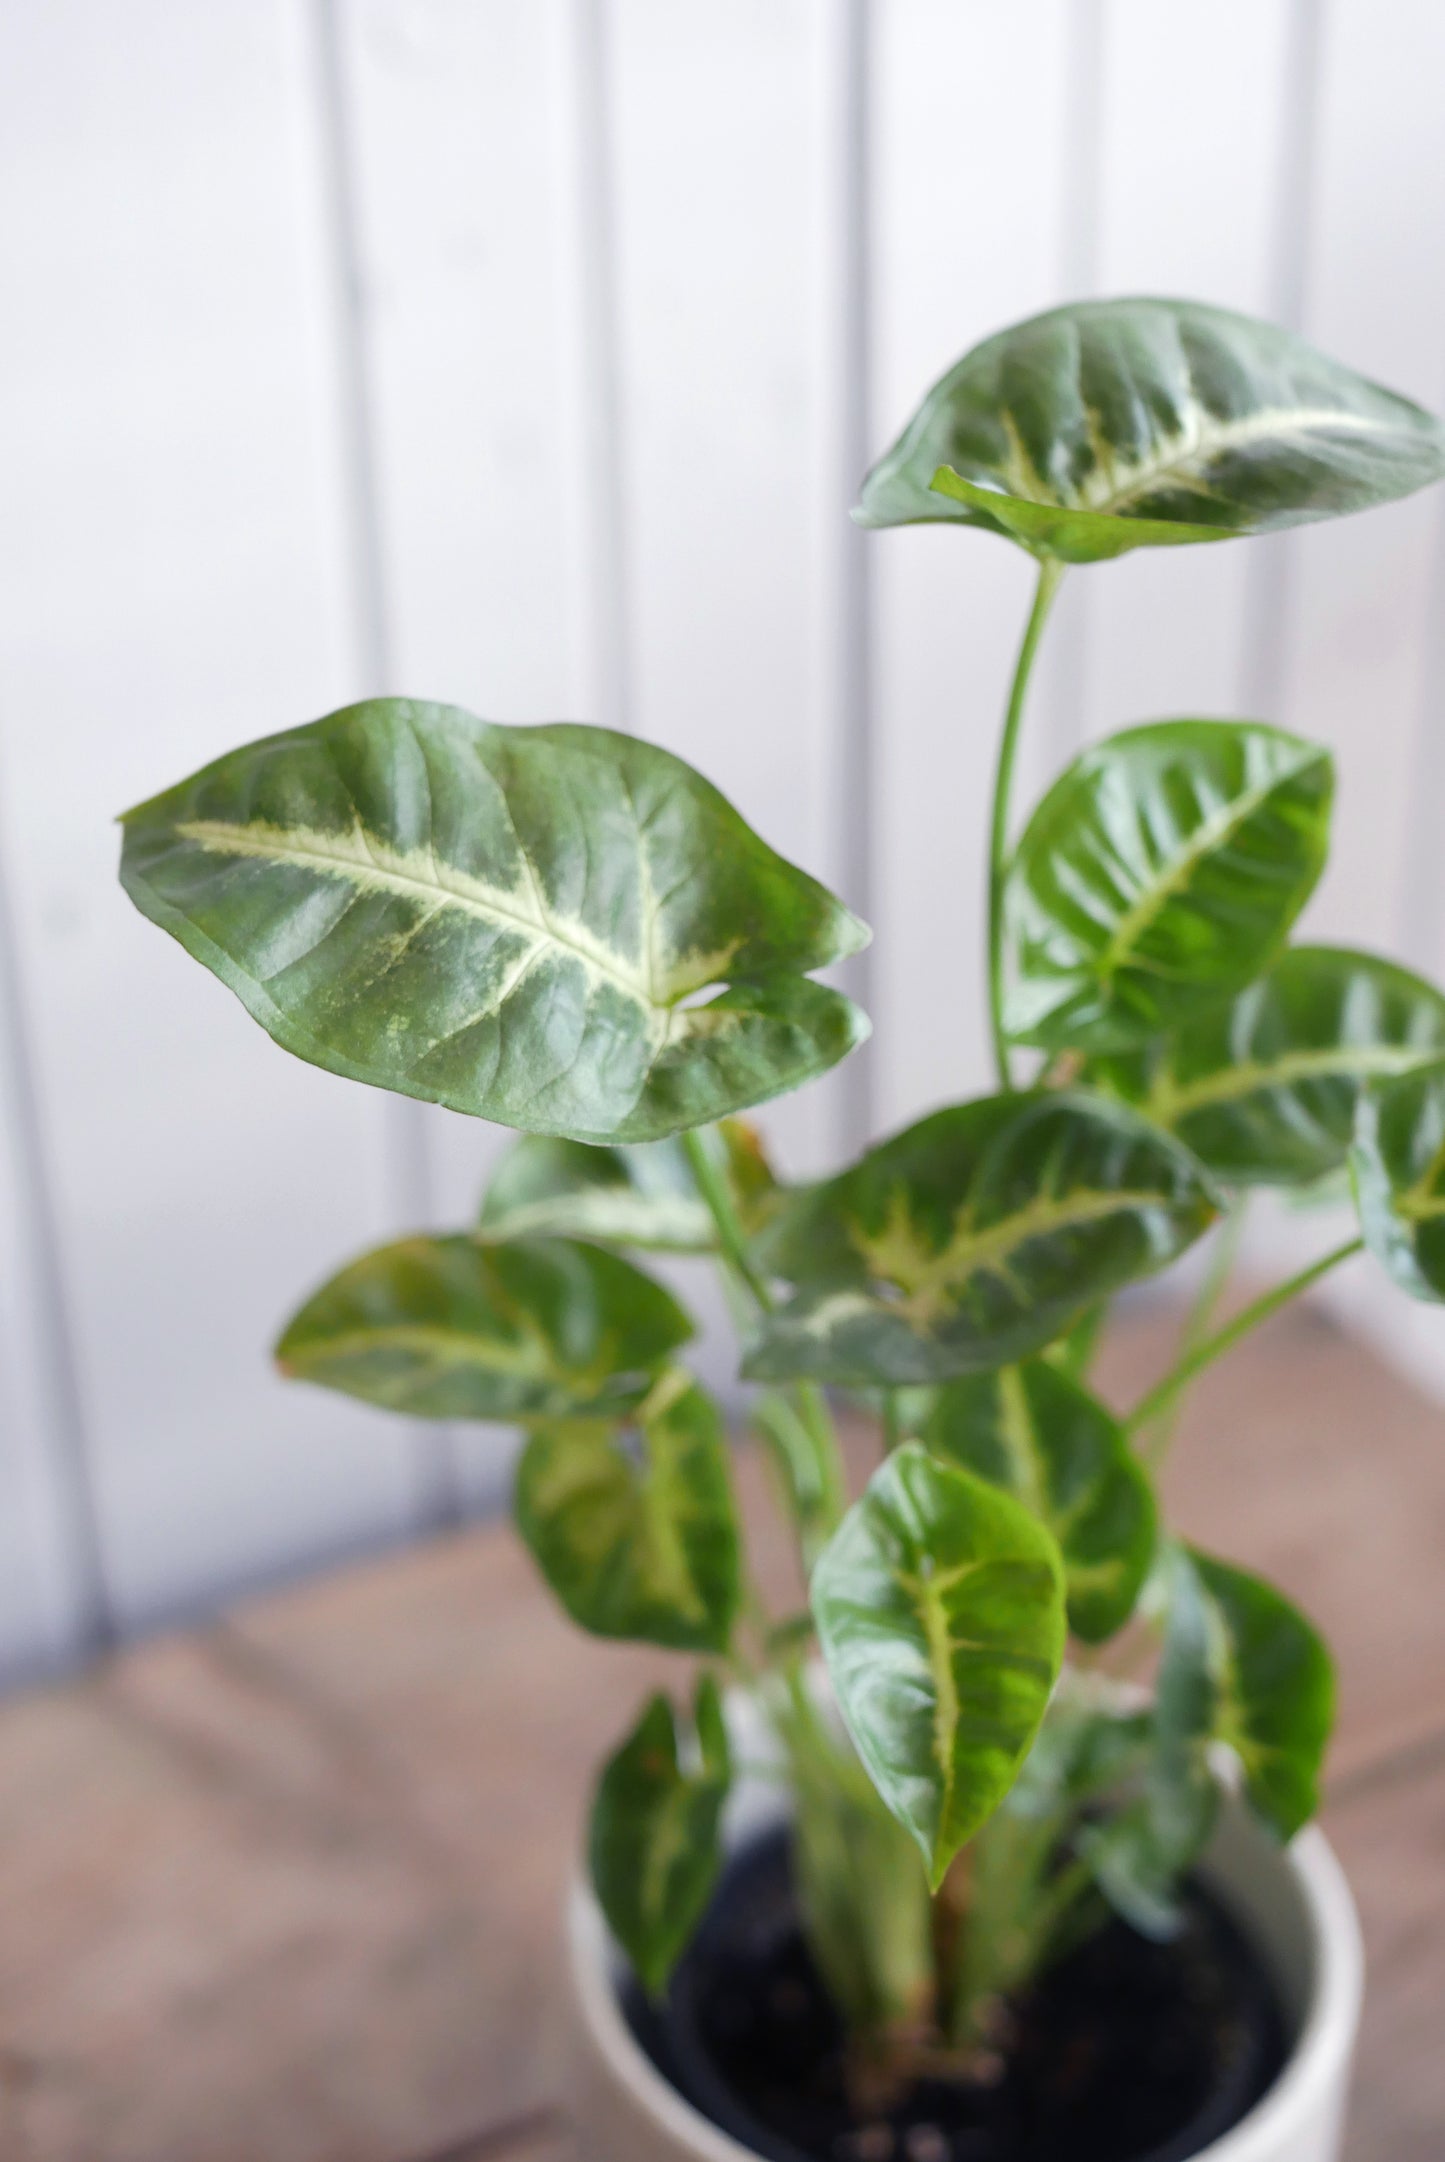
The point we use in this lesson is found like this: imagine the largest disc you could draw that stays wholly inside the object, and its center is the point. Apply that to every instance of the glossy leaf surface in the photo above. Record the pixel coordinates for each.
(1164, 867)
(1264, 1090)
(1118, 424)
(1397, 1166)
(641, 1540)
(940, 1608)
(1056, 1448)
(516, 922)
(653, 1846)
(1275, 1692)
(974, 1237)
(457, 1328)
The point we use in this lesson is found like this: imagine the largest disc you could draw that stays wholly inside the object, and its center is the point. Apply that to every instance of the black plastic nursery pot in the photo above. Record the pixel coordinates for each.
(1230, 2044)
(1129, 2051)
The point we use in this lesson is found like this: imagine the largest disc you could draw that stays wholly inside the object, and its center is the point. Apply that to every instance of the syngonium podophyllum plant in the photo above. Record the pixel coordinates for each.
(571, 933)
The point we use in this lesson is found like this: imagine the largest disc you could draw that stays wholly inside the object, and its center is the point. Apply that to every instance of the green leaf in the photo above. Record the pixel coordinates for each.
(1034, 1432)
(654, 1846)
(1265, 1090)
(516, 922)
(940, 1609)
(1119, 424)
(457, 1328)
(1397, 1166)
(637, 1535)
(1162, 869)
(1242, 1666)
(1275, 1692)
(974, 1237)
(641, 1195)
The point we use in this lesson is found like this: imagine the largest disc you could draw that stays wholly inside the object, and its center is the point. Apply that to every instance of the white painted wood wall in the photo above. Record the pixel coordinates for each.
(524, 353)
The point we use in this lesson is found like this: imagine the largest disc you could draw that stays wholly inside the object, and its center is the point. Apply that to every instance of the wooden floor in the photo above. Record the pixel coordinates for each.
(286, 1889)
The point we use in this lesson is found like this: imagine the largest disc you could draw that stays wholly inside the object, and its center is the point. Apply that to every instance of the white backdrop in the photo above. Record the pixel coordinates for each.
(524, 353)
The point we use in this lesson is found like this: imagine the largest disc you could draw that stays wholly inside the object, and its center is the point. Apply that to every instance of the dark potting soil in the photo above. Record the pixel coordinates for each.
(1128, 2051)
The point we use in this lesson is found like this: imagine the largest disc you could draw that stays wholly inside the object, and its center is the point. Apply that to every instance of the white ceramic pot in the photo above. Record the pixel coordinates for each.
(1294, 1905)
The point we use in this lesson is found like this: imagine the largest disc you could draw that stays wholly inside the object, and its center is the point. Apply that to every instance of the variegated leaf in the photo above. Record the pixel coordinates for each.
(973, 1238)
(1264, 1090)
(459, 1328)
(1397, 1166)
(1162, 869)
(940, 1609)
(637, 1538)
(1119, 424)
(654, 1844)
(1274, 1691)
(640, 1194)
(1241, 1665)
(521, 923)
(1058, 1450)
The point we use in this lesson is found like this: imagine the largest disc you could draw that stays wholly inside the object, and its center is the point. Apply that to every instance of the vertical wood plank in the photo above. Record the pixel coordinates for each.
(170, 583)
(968, 237)
(464, 124)
(1363, 587)
(53, 1596)
(714, 167)
(1168, 627)
(843, 592)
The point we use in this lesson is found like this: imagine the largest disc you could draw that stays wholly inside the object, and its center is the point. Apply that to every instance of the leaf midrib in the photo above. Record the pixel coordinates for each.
(969, 1252)
(449, 1348)
(1169, 1100)
(1219, 827)
(377, 865)
(1211, 442)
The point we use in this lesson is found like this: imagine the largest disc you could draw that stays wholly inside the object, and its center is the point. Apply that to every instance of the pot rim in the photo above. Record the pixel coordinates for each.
(1328, 2019)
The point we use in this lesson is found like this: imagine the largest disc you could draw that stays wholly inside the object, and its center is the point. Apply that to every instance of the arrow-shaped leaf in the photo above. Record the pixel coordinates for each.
(517, 922)
(458, 1328)
(1274, 1691)
(1119, 424)
(641, 1540)
(1397, 1166)
(653, 1848)
(1241, 1665)
(1264, 1090)
(974, 1237)
(1164, 867)
(1033, 1431)
(940, 1609)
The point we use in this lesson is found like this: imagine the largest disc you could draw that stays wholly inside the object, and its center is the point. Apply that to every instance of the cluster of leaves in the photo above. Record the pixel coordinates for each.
(571, 933)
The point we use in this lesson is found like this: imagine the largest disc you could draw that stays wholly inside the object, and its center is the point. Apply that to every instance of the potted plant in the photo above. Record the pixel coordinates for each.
(1027, 1874)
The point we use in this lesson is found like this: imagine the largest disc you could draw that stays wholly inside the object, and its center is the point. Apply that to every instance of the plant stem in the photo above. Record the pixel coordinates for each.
(1196, 1323)
(892, 1424)
(713, 1190)
(1213, 1347)
(712, 1187)
(1050, 572)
